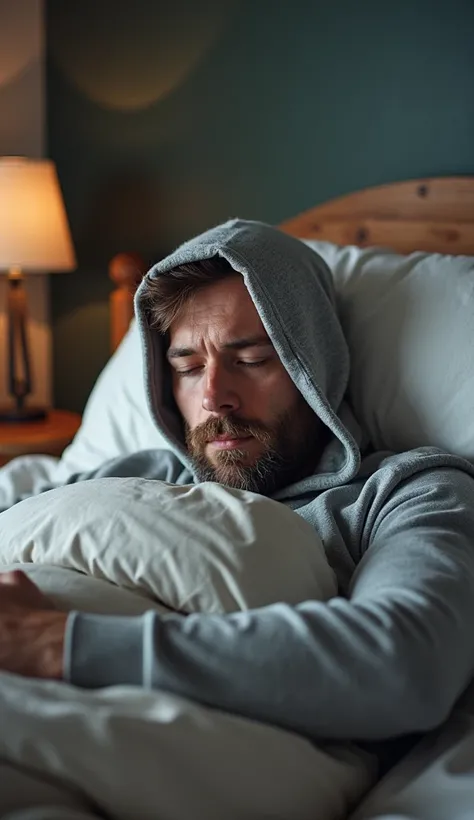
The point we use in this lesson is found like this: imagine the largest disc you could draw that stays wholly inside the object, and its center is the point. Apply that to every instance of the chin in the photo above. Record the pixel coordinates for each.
(234, 478)
(240, 470)
(233, 460)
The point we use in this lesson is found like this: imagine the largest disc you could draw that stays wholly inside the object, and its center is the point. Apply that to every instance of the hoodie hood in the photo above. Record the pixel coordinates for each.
(293, 292)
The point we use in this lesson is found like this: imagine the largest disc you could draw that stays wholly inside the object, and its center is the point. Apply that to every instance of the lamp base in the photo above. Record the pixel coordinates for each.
(19, 415)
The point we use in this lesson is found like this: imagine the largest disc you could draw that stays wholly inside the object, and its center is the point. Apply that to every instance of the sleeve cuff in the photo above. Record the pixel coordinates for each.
(102, 650)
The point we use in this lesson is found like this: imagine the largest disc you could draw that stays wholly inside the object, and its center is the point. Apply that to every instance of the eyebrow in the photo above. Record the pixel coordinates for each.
(238, 344)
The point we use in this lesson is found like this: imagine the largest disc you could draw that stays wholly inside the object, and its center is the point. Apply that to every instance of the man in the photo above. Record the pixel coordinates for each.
(247, 368)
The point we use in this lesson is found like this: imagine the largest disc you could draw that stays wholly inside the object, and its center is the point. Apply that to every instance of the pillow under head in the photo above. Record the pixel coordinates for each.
(409, 323)
(116, 420)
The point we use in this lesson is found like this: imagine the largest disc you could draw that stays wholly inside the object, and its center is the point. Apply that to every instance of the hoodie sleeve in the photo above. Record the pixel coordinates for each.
(159, 465)
(390, 660)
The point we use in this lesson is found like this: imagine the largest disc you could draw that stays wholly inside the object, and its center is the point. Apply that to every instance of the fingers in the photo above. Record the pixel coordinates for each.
(18, 590)
(14, 578)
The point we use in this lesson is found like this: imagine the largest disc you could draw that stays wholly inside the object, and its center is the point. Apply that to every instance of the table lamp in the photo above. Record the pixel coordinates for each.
(34, 238)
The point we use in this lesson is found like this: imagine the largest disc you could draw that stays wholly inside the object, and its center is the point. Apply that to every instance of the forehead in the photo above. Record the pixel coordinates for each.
(223, 310)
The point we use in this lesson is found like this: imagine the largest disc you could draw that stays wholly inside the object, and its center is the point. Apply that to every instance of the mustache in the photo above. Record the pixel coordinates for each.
(210, 429)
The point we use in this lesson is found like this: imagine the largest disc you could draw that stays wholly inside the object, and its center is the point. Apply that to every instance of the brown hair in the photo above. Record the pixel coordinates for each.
(166, 294)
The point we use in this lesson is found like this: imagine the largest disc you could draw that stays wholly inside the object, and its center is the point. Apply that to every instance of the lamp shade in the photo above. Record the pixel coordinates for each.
(34, 231)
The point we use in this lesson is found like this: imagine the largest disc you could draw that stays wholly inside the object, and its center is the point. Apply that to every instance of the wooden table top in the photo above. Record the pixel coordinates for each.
(47, 435)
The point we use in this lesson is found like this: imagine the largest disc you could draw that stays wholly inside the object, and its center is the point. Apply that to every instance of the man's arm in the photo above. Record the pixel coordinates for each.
(391, 660)
(158, 465)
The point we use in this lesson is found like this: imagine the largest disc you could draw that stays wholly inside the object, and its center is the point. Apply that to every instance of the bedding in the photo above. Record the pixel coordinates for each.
(401, 408)
(24, 476)
(409, 324)
(28, 796)
(436, 780)
(127, 546)
(140, 755)
(194, 548)
(116, 419)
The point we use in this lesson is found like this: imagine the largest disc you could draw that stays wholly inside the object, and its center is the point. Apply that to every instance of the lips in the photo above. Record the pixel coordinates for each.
(228, 442)
(227, 438)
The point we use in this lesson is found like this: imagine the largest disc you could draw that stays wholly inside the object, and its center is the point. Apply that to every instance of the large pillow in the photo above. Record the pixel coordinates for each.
(116, 419)
(194, 548)
(409, 322)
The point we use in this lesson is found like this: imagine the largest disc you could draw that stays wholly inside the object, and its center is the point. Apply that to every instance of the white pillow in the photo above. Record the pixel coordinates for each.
(194, 548)
(409, 322)
(68, 589)
(116, 419)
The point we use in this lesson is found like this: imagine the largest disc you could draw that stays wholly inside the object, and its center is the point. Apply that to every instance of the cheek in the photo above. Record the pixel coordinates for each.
(189, 395)
(185, 400)
(282, 395)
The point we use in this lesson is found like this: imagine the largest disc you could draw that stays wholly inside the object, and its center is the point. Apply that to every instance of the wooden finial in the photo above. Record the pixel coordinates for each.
(126, 271)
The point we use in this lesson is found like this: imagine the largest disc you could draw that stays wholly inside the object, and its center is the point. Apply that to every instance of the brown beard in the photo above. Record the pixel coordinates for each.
(285, 457)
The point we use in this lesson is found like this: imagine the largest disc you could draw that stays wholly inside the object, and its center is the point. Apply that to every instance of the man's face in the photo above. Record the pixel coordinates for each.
(247, 425)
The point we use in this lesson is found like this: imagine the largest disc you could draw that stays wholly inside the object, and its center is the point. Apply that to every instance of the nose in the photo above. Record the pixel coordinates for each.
(220, 396)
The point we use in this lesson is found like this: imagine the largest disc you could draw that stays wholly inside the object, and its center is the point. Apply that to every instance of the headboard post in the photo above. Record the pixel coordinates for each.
(126, 271)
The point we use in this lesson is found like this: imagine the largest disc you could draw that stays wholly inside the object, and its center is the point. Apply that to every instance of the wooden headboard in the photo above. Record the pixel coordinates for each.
(434, 215)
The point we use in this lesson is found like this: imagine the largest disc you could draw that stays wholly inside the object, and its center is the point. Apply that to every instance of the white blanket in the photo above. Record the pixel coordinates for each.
(435, 781)
(123, 546)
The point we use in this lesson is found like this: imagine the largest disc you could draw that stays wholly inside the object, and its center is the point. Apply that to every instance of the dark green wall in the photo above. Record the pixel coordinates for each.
(166, 117)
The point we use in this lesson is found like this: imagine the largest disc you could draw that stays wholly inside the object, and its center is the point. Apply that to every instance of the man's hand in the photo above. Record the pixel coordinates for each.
(17, 592)
(31, 629)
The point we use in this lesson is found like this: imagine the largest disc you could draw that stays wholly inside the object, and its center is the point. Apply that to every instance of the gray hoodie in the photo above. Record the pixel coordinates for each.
(391, 654)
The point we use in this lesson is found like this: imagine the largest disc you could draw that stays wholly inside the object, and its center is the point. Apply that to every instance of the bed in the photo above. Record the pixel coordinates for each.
(433, 214)
(403, 260)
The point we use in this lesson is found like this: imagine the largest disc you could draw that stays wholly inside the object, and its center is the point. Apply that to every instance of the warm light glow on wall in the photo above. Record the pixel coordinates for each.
(19, 43)
(120, 71)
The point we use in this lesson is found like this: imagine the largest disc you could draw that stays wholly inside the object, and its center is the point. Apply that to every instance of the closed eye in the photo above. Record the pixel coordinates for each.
(193, 371)
(189, 372)
(258, 363)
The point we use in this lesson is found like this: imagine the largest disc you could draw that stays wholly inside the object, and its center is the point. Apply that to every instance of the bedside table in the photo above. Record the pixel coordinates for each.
(49, 436)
